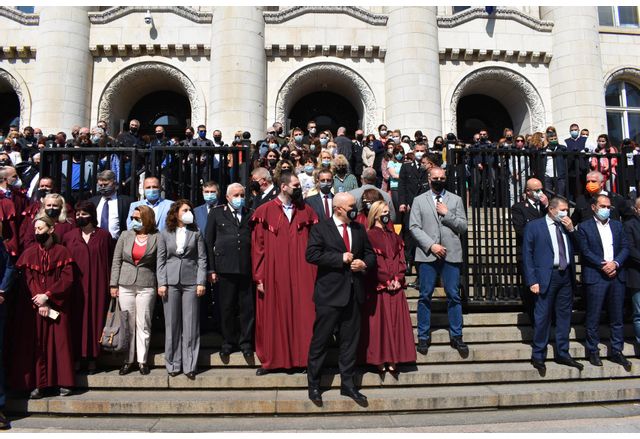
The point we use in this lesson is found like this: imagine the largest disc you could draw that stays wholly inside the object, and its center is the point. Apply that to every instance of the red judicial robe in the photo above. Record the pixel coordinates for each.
(11, 208)
(285, 312)
(42, 355)
(90, 294)
(61, 229)
(363, 219)
(26, 227)
(386, 335)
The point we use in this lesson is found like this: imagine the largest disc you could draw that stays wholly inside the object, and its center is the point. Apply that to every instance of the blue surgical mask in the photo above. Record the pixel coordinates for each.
(574, 134)
(399, 156)
(152, 194)
(237, 203)
(324, 141)
(308, 169)
(418, 155)
(603, 214)
(326, 163)
(210, 198)
(202, 134)
(273, 146)
(312, 147)
(298, 138)
(136, 225)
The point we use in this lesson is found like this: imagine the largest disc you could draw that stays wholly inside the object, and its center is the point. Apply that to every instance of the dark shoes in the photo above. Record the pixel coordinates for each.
(144, 369)
(460, 346)
(225, 351)
(568, 361)
(423, 346)
(36, 394)
(4, 422)
(540, 367)
(352, 393)
(594, 358)
(191, 376)
(174, 374)
(618, 357)
(248, 354)
(415, 285)
(260, 371)
(314, 395)
(126, 368)
(64, 391)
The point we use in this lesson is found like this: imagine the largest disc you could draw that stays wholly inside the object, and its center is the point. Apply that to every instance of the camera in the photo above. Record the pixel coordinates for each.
(147, 18)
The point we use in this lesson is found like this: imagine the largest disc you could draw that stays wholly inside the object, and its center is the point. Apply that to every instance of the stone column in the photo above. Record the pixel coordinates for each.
(412, 71)
(61, 95)
(575, 71)
(238, 72)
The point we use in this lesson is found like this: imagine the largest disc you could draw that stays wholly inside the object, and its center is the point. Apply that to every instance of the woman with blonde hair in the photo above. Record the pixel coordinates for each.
(343, 180)
(55, 207)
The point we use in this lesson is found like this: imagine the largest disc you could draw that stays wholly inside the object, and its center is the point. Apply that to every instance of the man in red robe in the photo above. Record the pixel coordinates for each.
(284, 280)
(12, 203)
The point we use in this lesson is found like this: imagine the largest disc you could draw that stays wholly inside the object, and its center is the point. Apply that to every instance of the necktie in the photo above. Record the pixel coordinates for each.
(104, 217)
(236, 216)
(345, 237)
(562, 252)
(326, 206)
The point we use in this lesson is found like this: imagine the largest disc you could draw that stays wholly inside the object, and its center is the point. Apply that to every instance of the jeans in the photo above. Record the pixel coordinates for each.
(450, 273)
(635, 299)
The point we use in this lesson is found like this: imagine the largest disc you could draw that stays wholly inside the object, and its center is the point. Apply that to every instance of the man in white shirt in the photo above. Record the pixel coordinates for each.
(111, 208)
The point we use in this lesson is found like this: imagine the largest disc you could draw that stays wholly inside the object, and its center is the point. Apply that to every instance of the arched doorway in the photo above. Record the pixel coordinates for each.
(9, 107)
(167, 108)
(476, 112)
(328, 109)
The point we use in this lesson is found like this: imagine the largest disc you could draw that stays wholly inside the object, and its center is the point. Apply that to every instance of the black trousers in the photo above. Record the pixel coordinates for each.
(237, 315)
(347, 319)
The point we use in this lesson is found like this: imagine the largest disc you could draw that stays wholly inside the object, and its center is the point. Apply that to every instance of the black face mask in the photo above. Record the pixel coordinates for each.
(133, 131)
(437, 186)
(326, 189)
(296, 195)
(217, 139)
(159, 136)
(41, 238)
(43, 193)
(385, 218)
(82, 221)
(359, 137)
(254, 186)
(367, 205)
(509, 138)
(352, 213)
(280, 130)
(273, 163)
(341, 170)
(484, 138)
(285, 155)
(53, 213)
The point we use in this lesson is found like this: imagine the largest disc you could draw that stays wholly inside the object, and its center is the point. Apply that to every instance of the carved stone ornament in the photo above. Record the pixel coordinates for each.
(24, 99)
(12, 13)
(119, 84)
(631, 74)
(277, 17)
(116, 12)
(500, 13)
(284, 101)
(510, 79)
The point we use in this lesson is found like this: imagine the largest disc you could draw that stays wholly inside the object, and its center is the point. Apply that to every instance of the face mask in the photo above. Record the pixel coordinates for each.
(53, 213)
(384, 219)
(312, 130)
(603, 214)
(359, 137)
(152, 194)
(326, 163)
(210, 198)
(236, 139)
(17, 184)
(95, 139)
(352, 214)
(437, 186)
(296, 195)
(396, 140)
(202, 134)
(298, 139)
(553, 142)
(574, 134)
(399, 156)
(133, 130)
(341, 170)
(82, 221)
(560, 215)
(5, 163)
(188, 135)
(367, 205)
(280, 130)
(593, 187)
(217, 139)
(254, 186)
(187, 218)
(325, 188)
(136, 225)
(273, 146)
(41, 238)
(105, 190)
(509, 138)
(312, 147)
(324, 141)
(585, 135)
(237, 203)
(483, 138)
(273, 163)
(43, 193)
(308, 169)
(536, 195)
(419, 155)
(383, 133)
(159, 136)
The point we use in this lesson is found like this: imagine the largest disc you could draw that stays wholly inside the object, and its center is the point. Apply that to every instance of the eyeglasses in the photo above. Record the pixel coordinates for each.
(439, 179)
(519, 141)
(135, 218)
(326, 181)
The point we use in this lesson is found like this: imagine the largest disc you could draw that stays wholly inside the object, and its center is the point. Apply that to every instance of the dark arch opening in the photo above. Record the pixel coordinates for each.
(329, 110)
(476, 112)
(9, 109)
(167, 108)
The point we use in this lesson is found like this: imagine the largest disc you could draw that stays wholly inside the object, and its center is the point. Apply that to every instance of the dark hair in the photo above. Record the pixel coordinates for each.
(148, 218)
(172, 216)
(372, 195)
(90, 208)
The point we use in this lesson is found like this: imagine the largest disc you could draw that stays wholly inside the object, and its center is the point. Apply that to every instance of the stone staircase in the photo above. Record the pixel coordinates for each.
(496, 374)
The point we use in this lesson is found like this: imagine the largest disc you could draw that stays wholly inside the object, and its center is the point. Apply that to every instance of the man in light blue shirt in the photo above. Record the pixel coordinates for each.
(152, 199)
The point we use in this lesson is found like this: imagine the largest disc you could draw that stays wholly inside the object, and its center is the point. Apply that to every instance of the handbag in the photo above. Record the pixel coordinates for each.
(115, 335)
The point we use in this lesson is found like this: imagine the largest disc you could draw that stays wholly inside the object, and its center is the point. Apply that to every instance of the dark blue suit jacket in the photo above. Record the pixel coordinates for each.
(7, 268)
(593, 253)
(316, 202)
(537, 254)
(201, 214)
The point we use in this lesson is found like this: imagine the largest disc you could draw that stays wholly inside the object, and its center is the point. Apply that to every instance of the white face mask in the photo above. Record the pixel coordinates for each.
(187, 218)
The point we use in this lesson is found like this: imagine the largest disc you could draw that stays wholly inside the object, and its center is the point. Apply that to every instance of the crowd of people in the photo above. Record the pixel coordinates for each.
(315, 247)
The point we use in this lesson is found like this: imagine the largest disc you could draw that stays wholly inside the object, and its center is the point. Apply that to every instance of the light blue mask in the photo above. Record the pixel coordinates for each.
(136, 225)
(237, 203)
(152, 194)
(326, 163)
(308, 169)
(324, 141)
(603, 214)
(210, 198)
(574, 134)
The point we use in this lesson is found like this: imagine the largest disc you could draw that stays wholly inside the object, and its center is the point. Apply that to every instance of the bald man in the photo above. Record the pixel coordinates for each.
(340, 248)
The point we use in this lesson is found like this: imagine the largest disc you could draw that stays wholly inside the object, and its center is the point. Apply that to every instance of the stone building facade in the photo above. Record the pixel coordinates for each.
(437, 69)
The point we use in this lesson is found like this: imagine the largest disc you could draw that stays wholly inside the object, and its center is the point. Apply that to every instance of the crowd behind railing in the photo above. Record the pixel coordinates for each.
(281, 244)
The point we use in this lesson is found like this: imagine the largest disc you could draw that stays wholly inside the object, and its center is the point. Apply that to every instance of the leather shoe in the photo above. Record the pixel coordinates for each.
(423, 346)
(352, 393)
(36, 394)
(225, 351)
(261, 371)
(126, 368)
(248, 354)
(594, 358)
(618, 357)
(539, 365)
(144, 369)
(4, 422)
(314, 395)
(64, 391)
(460, 346)
(191, 376)
(415, 285)
(568, 361)
(174, 374)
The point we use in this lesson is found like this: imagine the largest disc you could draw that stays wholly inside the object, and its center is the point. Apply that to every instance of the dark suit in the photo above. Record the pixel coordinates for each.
(344, 147)
(556, 286)
(599, 286)
(412, 181)
(632, 228)
(338, 296)
(201, 214)
(521, 213)
(557, 182)
(229, 251)
(124, 203)
(259, 200)
(620, 208)
(316, 202)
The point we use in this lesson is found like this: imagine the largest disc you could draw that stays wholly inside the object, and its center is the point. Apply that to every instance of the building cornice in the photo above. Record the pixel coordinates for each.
(278, 17)
(500, 13)
(312, 50)
(18, 16)
(136, 50)
(13, 52)
(519, 56)
(111, 14)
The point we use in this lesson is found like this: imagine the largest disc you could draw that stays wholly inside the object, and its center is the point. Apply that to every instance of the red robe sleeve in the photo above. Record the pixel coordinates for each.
(259, 222)
(48, 271)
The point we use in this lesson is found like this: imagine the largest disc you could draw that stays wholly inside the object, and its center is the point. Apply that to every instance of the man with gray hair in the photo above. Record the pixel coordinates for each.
(262, 187)
(620, 208)
(368, 179)
(111, 209)
(343, 143)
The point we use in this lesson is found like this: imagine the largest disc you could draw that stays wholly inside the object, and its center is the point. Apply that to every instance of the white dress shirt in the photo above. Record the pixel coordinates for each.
(114, 219)
(181, 238)
(235, 213)
(339, 224)
(551, 225)
(266, 191)
(607, 239)
(288, 210)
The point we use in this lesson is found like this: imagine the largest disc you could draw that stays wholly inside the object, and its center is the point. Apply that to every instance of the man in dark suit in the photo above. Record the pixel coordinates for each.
(262, 187)
(322, 202)
(112, 208)
(604, 249)
(210, 195)
(341, 250)
(632, 228)
(549, 273)
(228, 239)
(620, 209)
(533, 207)
(552, 167)
(343, 143)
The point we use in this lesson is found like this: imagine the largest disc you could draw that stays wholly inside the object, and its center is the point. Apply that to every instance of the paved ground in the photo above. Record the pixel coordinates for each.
(610, 418)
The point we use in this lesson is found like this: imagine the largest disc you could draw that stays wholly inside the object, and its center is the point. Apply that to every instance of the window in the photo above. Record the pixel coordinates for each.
(25, 9)
(622, 16)
(457, 9)
(623, 111)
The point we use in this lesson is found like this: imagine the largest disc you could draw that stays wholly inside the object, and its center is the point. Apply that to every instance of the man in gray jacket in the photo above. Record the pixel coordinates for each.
(437, 220)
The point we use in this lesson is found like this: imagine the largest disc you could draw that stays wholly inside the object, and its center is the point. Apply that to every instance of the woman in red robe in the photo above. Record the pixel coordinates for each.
(285, 280)
(53, 206)
(386, 337)
(91, 248)
(43, 357)
(369, 197)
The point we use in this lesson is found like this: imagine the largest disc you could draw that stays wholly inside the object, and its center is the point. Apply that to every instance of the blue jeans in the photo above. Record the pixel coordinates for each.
(635, 299)
(450, 274)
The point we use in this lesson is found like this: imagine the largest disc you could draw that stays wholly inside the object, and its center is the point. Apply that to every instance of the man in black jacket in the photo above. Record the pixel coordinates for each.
(632, 228)
(341, 250)
(620, 209)
(111, 208)
(228, 240)
(262, 187)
